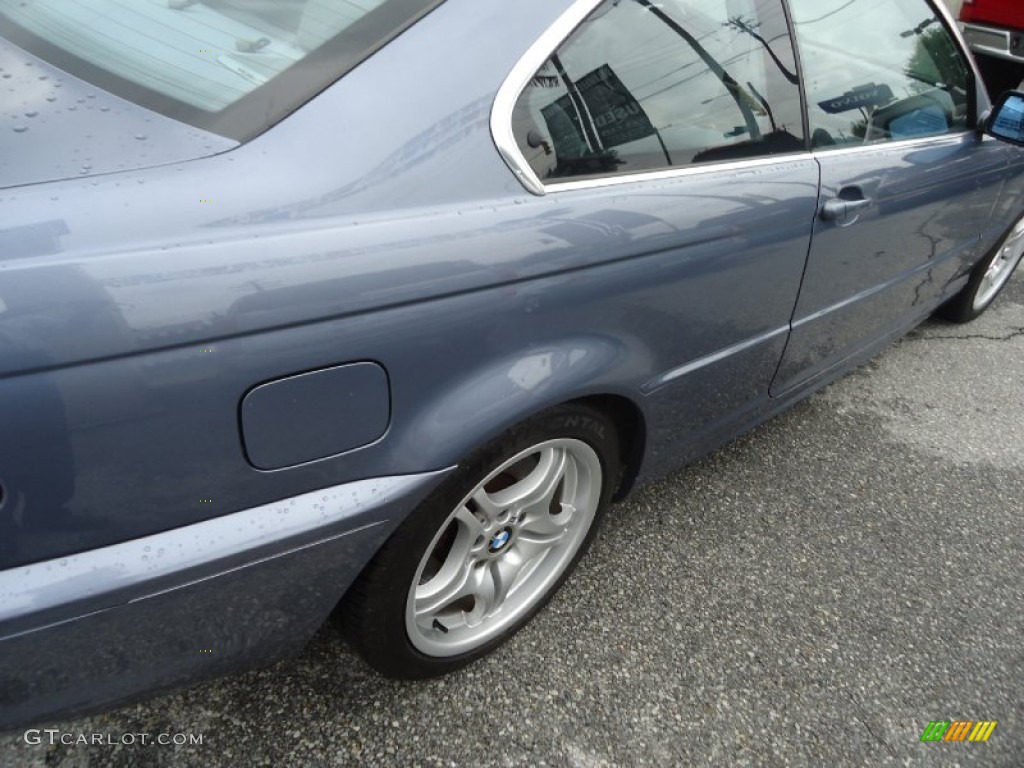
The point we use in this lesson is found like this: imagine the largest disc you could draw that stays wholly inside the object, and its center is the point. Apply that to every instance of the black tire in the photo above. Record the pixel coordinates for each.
(969, 303)
(376, 609)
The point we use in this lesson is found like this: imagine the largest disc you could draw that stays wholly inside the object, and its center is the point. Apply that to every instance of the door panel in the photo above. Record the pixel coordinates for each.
(684, 119)
(886, 264)
(907, 184)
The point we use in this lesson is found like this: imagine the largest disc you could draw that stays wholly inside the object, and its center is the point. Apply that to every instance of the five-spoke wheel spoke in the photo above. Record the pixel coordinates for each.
(503, 546)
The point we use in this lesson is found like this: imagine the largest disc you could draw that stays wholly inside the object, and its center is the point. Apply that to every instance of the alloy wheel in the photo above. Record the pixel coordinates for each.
(503, 547)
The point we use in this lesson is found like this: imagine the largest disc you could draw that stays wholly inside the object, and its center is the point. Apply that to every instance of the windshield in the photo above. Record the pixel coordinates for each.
(212, 63)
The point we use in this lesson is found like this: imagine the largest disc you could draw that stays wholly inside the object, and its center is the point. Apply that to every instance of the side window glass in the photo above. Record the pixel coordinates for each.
(643, 85)
(879, 71)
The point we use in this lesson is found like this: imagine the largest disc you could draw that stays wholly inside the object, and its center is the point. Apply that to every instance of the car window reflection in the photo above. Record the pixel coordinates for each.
(645, 86)
(912, 82)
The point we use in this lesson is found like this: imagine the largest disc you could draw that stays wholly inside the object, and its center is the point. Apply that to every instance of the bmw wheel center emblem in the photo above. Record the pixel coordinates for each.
(500, 540)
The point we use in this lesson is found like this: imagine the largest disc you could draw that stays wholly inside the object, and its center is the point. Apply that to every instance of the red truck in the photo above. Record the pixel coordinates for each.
(994, 29)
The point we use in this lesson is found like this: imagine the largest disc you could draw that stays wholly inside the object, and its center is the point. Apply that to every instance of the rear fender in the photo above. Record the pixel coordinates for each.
(483, 403)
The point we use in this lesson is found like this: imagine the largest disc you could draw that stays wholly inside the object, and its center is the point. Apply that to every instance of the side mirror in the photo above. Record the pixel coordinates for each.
(1007, 119)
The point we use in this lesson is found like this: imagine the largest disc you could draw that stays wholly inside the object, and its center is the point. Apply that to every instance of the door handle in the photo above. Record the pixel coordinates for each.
(842, 210)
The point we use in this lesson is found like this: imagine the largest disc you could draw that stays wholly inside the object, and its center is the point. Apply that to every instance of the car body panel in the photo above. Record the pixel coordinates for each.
(930, 212)
(314, 415)
(128, 419)
(243, 587)
(138, 307)
(278, 279)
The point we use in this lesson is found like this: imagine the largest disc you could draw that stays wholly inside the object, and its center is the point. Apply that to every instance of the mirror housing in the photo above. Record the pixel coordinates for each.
(1006, 122)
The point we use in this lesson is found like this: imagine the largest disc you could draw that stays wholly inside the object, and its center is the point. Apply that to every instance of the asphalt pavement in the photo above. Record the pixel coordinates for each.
(814, 594)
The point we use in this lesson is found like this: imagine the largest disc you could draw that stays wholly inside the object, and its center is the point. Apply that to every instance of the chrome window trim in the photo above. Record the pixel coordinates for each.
(518, 79)
(555, 35)
(899, 145)
(669, 174)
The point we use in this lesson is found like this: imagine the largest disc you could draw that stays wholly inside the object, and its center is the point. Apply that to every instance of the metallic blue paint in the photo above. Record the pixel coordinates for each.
(139, 306)
(929, 200)
(315, 415)
(236, 589)
(54, 126)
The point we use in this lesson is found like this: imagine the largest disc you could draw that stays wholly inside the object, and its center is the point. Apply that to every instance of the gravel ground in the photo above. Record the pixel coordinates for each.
(813, 594)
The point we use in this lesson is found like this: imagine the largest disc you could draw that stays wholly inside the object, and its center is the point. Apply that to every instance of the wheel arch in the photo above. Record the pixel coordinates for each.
(632, 433)
(441, 429)
(377, 612)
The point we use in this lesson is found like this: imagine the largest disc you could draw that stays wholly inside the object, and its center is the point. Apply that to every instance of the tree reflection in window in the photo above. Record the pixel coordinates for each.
(879, 70)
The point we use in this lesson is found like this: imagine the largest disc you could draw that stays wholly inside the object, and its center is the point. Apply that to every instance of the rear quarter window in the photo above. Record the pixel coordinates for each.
(645, 86)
